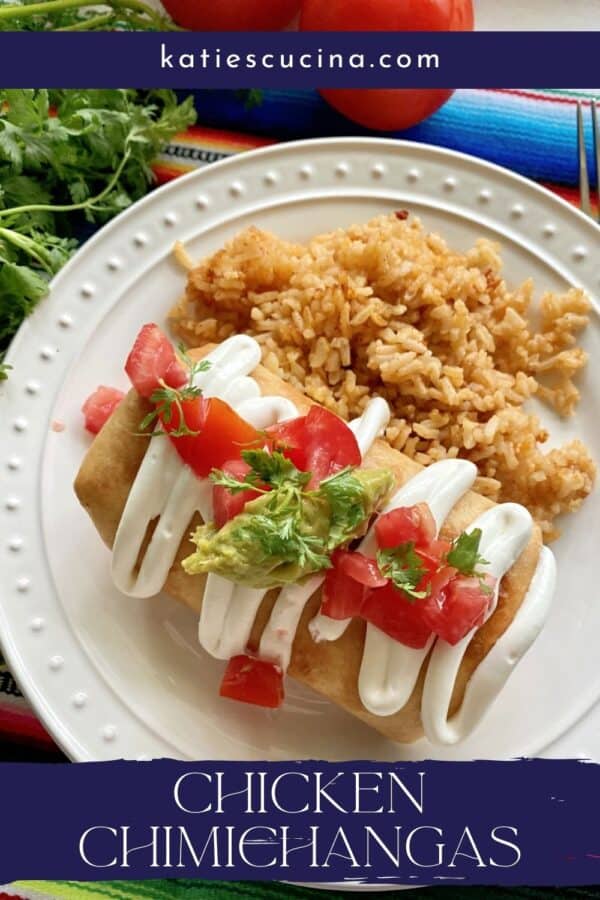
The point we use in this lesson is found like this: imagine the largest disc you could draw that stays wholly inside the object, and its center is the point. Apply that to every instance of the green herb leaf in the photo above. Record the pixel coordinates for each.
(345, 495)
(4, 369)
(233, 485)
(273, 469)
(405, 568)
(465, 555)
(166, 398)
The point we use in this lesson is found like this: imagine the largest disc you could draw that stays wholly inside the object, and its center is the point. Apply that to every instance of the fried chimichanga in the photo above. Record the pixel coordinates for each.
(330, 667)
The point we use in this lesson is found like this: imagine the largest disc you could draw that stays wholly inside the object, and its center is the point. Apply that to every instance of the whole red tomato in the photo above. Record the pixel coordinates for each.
(232, 15)
(386, 109)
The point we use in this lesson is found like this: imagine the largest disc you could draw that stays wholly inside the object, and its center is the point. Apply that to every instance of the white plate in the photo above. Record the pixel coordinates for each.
(116, 677)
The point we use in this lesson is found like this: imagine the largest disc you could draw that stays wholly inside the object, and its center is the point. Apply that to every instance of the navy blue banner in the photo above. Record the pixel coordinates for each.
(511, 823)
(299, 60)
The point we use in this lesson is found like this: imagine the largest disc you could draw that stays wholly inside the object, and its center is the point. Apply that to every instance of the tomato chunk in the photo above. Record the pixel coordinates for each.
(220, 436)
(319, 442)
(406, 523)
(330, 445)
(388, 609)
(99, 406)
(225, 504)
(152, 360)
(458, 607)
(342, 596)
(361, 568)
(252, 680)
(289, 437)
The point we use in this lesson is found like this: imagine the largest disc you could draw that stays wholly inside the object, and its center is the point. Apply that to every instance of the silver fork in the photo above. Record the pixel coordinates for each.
(584, 178)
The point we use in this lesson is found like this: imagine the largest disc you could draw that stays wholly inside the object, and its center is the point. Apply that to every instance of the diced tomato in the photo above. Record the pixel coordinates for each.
(342, 596)
(330, 445)
(389, 610)
(99, 406)
(439, 548)
(406, 523)
(152, 360)
(319, 442)
(361, 568)
(225, 504)
(254, 681)
(458, 607)
(221, 434)
(436, 582)
(289, 437)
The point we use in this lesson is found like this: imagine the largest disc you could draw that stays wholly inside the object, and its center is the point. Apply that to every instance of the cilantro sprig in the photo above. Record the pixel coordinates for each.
(465, 555)
(166, 399)
(405, 568)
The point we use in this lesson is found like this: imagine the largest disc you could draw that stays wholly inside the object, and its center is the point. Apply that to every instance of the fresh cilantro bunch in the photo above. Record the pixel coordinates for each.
(67, 157)
(82, 15)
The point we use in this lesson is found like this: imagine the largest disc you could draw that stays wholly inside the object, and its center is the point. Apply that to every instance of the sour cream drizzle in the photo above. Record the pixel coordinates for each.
(389, 670)
(226, 619)
(167, 490)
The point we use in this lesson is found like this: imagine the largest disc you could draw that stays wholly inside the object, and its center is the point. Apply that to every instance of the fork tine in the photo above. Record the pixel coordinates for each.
(596, 134)
(584, 182)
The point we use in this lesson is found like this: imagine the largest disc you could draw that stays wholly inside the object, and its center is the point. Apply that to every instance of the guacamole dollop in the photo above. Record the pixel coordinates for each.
(289, 533)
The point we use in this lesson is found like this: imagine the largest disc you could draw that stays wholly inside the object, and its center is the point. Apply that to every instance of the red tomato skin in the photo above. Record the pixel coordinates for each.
(389, 610)
(361, 568)
(330, 445)
(251, 680)
(439, 548)
(319, 442)
(99, 406)
(387, 109)
(288, 438)
(406, 523)
(225, 504)
(232, 15)
(459, 607)
(342, 596)
(387, 15)
(222, 434)
(152, 359)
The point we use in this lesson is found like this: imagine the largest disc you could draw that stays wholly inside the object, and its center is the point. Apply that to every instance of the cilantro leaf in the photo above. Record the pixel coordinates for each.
(165, 398)
(273, 469)
(232, 484)
(405, 568)
(346, 498)
(464, 554)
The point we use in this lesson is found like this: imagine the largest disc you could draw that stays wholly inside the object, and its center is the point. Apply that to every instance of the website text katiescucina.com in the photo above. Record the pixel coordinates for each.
(317, 60)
